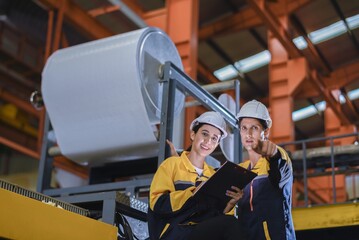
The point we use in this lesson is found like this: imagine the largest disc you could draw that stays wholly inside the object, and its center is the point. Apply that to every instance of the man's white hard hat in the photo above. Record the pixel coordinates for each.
(255, 109)
(211, 118)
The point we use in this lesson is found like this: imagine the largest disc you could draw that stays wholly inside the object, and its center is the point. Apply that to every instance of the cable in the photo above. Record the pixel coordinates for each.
(124, 228)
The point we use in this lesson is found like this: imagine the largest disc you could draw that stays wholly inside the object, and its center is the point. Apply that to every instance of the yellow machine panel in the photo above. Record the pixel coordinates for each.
(328, 216)
(25, 218)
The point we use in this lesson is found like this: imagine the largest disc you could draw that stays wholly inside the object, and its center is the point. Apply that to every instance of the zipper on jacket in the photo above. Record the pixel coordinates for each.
(251, 196)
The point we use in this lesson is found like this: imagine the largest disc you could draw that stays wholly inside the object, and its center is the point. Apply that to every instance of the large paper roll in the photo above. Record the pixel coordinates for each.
(103, 98)
(227, 144)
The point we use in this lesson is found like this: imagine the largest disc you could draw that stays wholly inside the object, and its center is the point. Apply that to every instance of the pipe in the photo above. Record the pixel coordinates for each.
(129, 13)
(213, 88)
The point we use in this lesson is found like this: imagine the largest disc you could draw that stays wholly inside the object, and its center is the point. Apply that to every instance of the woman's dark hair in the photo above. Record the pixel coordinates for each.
(261, 121)
(197, 127)
(195, 130)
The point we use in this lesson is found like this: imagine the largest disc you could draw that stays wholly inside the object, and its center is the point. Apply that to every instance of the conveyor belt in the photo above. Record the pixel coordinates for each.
(43, 198)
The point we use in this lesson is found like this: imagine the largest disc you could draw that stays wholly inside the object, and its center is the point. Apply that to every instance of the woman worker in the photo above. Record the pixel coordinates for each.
(174, 213)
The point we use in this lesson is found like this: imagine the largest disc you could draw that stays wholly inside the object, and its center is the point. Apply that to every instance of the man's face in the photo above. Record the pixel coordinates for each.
(251, 132)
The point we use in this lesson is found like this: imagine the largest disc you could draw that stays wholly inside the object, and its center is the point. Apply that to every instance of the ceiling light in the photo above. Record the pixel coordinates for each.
(327, 33)
(334, 30)
(243, 66)
(263, 58)
(353, 21)
(354, 94)
(253, 62)
(226, 73)
(300, 43)
(308, 111)
(311, 110)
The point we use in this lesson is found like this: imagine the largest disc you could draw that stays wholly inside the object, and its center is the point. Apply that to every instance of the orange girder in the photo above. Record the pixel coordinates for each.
(103, 10)
(203, 70)
(246, 18)
(134, 7)
(333, 104)
(27, 107)
(333, 127)
(342, 76)
(20, 148)
(85, 23)
(279, 30)
(275, 26)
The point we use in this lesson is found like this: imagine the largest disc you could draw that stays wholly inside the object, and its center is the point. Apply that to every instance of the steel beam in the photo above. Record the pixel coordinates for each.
(275, 26)
(333, 104)
(244, 19)
(79, 18)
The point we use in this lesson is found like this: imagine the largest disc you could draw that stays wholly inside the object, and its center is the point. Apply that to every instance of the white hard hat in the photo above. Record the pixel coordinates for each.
(255, 109)
(211, 118)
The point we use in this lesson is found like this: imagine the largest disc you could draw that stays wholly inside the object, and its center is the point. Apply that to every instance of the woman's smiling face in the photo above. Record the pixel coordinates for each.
(206, 139)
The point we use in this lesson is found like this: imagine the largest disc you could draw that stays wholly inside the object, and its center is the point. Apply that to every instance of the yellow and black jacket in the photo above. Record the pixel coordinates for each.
(173, 211)
(264, 211)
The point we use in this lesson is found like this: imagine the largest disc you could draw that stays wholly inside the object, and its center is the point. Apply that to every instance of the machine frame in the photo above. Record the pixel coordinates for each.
(171, 78)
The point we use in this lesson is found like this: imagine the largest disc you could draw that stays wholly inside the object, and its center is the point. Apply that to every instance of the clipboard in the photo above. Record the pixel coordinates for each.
(229, 174)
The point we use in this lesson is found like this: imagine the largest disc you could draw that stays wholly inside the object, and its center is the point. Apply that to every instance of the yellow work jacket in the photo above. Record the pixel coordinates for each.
(173, 209)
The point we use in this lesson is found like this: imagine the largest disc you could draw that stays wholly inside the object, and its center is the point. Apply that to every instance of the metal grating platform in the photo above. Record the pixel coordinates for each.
(43, 198)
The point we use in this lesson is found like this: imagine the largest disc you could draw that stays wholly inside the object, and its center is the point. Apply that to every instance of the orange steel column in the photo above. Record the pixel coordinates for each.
(182, 27)
(281, 104)
(285, 76)
(180, 21)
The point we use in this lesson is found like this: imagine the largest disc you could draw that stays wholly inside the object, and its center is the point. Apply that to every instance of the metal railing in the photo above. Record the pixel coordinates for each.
(330, 159)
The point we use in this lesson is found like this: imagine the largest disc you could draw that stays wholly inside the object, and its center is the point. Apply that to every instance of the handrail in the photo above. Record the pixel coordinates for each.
(309, 154)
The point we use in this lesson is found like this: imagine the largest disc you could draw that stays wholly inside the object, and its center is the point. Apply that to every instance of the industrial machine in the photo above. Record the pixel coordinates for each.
(20, 208)
(111, 104)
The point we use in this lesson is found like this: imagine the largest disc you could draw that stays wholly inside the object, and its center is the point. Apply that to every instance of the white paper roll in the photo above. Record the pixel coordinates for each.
(103, 98)
(227, 144)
